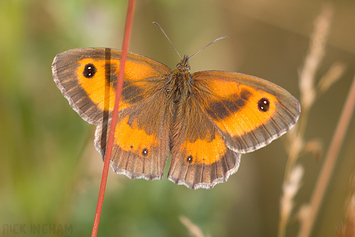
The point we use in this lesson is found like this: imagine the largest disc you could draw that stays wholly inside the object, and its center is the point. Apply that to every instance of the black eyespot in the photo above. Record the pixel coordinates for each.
(145, 152)
(264, 104)
(89, 70)
(131, 147)
(189, 159)
(167, 91)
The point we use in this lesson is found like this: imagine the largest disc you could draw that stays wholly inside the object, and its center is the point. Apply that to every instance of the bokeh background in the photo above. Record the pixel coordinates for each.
(50, 170)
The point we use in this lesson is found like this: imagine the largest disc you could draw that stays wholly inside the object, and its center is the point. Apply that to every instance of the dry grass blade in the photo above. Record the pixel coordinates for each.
(193, 229)
(309, 93)
(315, 147)
(314, 56)
(290, 189)
(328, 166)
(332, 76)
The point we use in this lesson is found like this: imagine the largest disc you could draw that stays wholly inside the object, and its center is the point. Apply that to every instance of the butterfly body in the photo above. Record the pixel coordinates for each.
(205, 120)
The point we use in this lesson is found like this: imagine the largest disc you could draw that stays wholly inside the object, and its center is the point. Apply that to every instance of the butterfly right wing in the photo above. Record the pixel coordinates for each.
(225, 116)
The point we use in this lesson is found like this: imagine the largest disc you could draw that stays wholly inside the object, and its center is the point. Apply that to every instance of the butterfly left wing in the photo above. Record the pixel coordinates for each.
(87, 77)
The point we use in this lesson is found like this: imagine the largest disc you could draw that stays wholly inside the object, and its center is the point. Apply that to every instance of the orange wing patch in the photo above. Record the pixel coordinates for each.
(138, 71)
(237, 108)
(204, 151)
(98, 78)
(132, 138)
(243, 111)
(91, 76)
(222, 88)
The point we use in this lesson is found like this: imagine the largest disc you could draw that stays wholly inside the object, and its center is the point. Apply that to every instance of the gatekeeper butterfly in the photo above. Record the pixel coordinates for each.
(204, 120)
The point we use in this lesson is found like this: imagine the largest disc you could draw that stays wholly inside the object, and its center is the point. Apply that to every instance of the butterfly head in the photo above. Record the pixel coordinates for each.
(183, 66)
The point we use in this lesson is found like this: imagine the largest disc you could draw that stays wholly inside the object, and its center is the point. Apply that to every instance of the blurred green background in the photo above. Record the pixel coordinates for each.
(50, 170)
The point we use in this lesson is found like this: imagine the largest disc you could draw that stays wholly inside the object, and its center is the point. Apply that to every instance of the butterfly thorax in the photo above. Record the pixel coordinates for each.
(180, 81)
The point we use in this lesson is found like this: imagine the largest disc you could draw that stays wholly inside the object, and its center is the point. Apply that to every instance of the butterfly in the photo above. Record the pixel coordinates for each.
(204, 120)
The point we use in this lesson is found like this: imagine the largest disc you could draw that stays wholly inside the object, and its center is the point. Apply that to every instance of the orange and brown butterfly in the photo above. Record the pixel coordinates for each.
(204, 120)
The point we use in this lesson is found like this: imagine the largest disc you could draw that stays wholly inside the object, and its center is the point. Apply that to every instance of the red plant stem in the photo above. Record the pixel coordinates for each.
(328, 166)
(126, 37)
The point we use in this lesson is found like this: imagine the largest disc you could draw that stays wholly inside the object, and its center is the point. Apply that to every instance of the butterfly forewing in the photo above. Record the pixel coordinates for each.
(87, 78)
(249, 111)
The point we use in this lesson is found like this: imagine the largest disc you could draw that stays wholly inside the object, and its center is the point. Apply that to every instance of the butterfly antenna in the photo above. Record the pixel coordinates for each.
(223, 37)
(156, 23)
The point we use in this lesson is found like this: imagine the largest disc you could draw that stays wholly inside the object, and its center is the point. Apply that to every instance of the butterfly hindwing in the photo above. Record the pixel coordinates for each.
(141, 144)
(200, 157)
